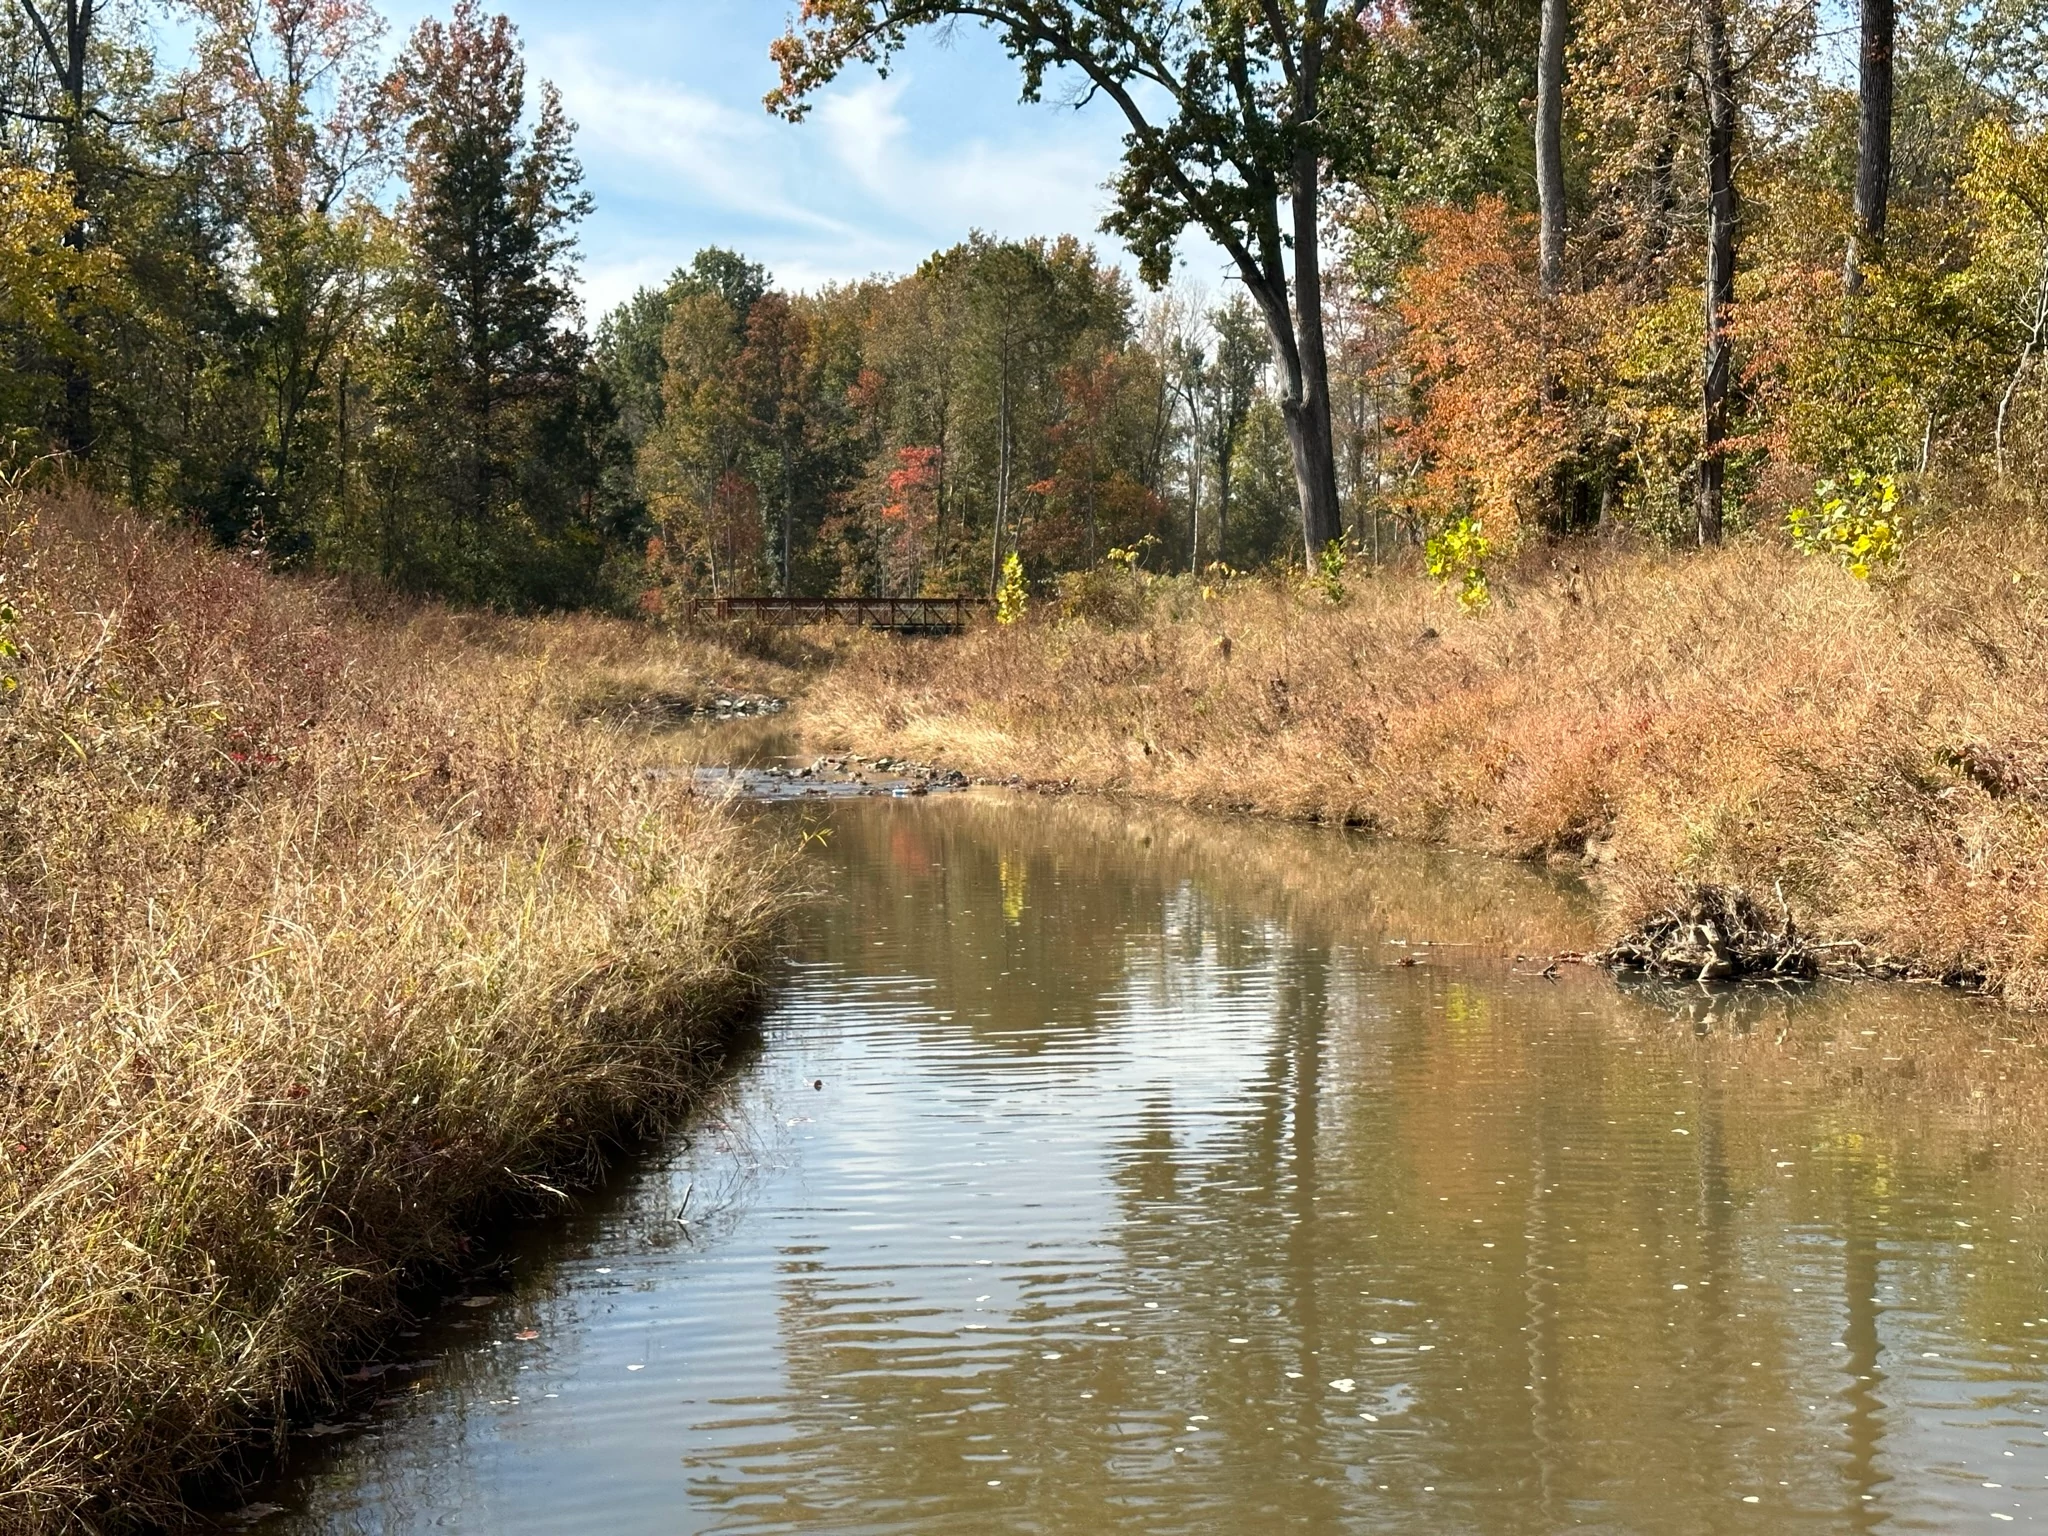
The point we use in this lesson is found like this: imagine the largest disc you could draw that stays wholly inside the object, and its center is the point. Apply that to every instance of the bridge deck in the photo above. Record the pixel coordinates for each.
(906, 615)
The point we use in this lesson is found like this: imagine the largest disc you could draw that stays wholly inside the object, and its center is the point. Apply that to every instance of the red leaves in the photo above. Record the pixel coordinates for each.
(917, 469)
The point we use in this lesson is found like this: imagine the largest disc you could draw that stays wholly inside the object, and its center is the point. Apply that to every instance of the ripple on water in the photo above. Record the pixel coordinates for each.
(1146, 1190)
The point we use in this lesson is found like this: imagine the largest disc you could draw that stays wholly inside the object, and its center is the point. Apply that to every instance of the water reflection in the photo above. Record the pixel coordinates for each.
(1172, 1175)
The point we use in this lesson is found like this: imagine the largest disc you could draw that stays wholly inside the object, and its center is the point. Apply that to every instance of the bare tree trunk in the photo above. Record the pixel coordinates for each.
(1223, 507)
(1717, 67)
(1314, 444)
(1550, 234)
(788, 508)
(1303, 363)
(995, 543)
(1550, 147)
(2034, 338)
(1878, 27)
(1189, 390)
(1663, 189)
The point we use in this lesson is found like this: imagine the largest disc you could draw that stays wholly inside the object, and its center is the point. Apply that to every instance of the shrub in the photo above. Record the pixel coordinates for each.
(1115, 594)
(320, 934)
(1458, 552)
(1857, 521)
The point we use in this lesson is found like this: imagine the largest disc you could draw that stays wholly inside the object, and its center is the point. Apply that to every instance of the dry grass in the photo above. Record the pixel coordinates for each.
(1745, 716)
(321, 933)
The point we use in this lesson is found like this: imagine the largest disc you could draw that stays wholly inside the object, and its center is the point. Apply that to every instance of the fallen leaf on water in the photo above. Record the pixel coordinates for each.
(527, 1333)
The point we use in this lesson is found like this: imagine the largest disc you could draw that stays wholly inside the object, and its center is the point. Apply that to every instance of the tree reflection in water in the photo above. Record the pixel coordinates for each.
(1150, 1191)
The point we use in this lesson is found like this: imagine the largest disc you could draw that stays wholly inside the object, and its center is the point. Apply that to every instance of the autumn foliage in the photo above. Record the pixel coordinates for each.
(1479, 343)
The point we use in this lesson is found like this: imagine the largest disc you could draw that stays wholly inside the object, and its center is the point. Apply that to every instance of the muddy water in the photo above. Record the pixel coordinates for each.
(1123, 1172)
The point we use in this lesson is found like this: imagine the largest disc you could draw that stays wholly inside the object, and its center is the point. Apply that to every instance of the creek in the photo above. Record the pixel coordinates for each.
(1109, 1169)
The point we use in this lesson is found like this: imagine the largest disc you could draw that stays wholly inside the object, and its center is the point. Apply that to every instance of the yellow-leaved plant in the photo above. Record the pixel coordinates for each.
(1457, 552)
(1012, 596)
(1856, 519)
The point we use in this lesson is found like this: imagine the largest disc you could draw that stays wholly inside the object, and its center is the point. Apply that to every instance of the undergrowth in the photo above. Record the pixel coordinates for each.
(322, 932)
(1876, 750)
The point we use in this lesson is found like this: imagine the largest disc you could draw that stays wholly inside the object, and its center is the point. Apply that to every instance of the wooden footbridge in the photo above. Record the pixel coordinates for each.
(904, 615)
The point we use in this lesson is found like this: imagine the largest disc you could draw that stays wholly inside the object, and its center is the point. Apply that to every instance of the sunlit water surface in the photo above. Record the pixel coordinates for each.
(1110, 1171)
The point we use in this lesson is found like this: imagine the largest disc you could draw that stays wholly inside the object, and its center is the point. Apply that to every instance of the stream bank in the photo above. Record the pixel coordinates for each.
(1110, 1167)
(1743, 719)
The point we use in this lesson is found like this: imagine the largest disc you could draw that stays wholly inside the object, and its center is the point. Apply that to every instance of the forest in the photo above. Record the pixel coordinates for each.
(1503, 271)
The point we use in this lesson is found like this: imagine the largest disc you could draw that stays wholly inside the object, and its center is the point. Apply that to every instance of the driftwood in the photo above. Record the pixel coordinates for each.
(1720, 933)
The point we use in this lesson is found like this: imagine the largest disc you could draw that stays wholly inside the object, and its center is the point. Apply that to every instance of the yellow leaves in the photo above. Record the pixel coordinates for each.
(2007, 193)
(1856, 521)
(1458, 551)
(1013, 595)
(2008, 177)
(39, 274)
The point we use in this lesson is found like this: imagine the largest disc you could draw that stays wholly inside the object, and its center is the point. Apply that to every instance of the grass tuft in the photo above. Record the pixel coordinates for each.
(322, 932)
(1744, 717)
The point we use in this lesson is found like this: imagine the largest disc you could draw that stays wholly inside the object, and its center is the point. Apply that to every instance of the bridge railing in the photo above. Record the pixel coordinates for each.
(909, 615)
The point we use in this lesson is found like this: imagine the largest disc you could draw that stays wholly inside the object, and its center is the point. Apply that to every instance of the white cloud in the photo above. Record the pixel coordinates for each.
(880, 175)
(670, 143)
(1045, 182)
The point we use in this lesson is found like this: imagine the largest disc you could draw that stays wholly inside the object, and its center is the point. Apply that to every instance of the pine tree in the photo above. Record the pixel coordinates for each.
(489, 316)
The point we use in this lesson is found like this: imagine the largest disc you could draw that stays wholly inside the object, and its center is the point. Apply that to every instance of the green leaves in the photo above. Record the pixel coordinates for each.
(1330, 563)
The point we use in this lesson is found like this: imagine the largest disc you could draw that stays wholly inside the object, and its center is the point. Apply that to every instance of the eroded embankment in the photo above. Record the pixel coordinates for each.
(1866, 757)
(321, 935)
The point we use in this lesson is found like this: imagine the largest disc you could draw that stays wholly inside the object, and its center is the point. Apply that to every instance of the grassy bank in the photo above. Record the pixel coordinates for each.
(1877, 750)
(322, 933)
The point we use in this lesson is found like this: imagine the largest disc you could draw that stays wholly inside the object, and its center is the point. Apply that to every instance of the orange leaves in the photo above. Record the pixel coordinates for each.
(917, 469)
(1479, 340)
(908, 505)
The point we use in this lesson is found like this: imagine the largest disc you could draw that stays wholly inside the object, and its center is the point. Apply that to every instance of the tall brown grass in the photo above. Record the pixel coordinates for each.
(1876, 750)
(321, 933)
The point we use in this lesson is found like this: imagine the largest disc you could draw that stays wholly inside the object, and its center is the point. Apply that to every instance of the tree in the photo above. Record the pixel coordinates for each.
(1877, 27)
(1716, 64)
(68, 41)
(489, 227)
(66, 35)
(37, 266)
(627, 353)
(1232, 387)
(775, 367)
(1179, 325)
(290, 104)
(627, 350)
(2008, 276)
(1550, 147)
(1225, 107)
(1002, 288)
(1480, 358)
(694, 465)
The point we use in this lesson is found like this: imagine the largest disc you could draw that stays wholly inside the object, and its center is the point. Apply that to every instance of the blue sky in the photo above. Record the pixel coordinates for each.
(679, 153)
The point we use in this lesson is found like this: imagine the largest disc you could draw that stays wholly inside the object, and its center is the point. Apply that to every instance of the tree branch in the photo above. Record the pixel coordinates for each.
(49, 40)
